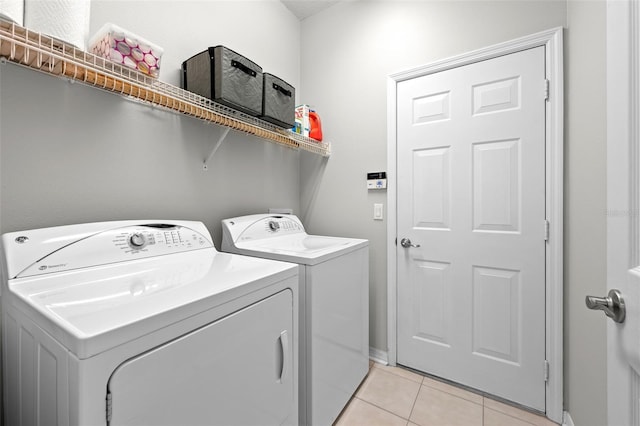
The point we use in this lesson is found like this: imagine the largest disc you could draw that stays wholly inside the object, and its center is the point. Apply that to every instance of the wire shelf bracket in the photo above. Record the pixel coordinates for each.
(222, 137)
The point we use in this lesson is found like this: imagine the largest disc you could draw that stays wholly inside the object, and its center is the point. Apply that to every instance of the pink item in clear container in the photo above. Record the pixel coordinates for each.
(128, 49)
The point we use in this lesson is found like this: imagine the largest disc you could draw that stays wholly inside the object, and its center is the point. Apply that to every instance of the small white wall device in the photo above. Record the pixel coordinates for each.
(377, 180)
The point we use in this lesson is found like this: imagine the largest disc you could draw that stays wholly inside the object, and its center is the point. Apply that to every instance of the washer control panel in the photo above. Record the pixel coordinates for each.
(271, 226)
(257, 227)
(283, 225)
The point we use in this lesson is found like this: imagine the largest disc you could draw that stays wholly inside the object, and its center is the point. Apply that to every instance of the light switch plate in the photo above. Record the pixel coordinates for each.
(377, 211)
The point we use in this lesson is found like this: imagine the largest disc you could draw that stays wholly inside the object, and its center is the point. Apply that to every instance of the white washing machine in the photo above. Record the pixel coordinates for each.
(145, 323)
(334, 305)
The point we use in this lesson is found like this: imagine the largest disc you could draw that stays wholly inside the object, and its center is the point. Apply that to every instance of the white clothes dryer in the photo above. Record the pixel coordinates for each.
(144, 322)
(334, 305)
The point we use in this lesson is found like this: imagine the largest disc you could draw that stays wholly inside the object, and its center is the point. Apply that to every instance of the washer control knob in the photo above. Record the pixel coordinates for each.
(137, 240)
(273, 225)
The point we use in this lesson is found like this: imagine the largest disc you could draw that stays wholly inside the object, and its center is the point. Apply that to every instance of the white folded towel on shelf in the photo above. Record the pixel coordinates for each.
(67, 20)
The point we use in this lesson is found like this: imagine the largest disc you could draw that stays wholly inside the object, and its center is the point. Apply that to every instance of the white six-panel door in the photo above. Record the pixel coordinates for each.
(471, 199)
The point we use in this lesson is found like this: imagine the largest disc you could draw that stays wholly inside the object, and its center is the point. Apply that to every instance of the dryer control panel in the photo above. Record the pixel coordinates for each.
(82, 246)
(157, 237)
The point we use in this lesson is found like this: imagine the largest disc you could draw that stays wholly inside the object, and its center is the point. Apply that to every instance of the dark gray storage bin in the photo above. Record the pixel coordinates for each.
(225, 76)
(278, 102)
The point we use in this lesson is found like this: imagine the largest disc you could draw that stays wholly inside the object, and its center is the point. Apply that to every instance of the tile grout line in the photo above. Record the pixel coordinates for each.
(382, 408)
(415, 400)
(388, 411)
(422, 382)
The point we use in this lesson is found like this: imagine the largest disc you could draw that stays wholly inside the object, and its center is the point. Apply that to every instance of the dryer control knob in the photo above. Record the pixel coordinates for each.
(274, 226)
(137, 240)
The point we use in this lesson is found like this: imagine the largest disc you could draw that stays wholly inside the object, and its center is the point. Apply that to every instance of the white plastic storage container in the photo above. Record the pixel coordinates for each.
(225, 76)
(126, 48)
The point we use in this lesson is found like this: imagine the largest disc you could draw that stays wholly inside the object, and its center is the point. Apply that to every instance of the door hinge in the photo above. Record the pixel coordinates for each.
(546, 230)
(546, 90)
(109, 407)
(546, 370)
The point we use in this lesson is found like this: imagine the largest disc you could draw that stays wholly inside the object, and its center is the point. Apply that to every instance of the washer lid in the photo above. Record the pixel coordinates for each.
(301, 248)
(94, 309)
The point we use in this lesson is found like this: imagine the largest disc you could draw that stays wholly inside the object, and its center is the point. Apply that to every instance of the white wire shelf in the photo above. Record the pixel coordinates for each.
(51, 56)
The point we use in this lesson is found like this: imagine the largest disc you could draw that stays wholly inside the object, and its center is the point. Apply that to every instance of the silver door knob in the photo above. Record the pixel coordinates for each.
(613, 305)
(406, 243)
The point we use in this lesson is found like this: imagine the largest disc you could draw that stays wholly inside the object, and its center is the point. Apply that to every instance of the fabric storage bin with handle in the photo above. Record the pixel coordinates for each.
(225, 76)
(278, 102)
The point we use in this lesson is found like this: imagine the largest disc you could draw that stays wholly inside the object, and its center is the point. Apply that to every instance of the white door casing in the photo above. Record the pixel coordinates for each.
(551, 41)
(623, 207)
(471, 194)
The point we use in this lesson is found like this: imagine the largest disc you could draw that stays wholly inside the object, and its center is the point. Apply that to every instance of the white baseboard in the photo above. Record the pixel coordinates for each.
(567, 420)
(381, 357)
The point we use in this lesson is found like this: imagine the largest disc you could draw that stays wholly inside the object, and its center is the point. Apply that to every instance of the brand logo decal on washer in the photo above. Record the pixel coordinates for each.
(44, 267)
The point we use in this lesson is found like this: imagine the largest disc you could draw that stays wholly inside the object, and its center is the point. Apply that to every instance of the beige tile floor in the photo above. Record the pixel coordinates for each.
(396, 396)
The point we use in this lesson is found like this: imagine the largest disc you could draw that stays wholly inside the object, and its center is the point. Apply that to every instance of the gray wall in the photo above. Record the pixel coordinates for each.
(72, 154)
(350, 49)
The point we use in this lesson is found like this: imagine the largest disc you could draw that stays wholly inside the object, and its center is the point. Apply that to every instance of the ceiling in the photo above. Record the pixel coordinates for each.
(305, 8)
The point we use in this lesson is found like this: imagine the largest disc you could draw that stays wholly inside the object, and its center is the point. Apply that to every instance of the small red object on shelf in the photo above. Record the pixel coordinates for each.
(316, 126)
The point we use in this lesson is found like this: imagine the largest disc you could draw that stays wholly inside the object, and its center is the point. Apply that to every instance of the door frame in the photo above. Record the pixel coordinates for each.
(554, 150)
(623, 202)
